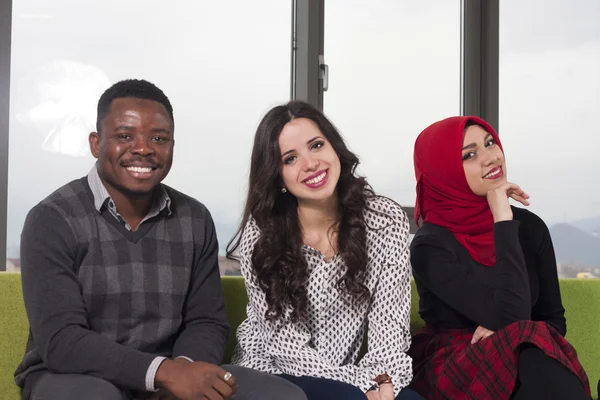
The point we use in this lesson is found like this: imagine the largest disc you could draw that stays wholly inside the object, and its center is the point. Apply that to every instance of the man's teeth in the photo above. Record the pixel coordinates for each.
(317, 179)
(139, 169)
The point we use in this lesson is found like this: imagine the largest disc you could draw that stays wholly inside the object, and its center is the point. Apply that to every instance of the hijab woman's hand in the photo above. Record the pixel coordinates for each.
(480, 334)
(498, 200)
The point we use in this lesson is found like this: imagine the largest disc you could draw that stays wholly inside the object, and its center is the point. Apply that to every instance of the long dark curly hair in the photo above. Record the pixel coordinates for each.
(277, 257)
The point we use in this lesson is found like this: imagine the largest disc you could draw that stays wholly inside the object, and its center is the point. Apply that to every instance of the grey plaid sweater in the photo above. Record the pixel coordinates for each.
(105, 301)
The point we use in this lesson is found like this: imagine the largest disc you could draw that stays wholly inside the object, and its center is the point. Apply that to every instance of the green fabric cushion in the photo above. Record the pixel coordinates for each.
(236, 300)
(13, 332)
(581, 299)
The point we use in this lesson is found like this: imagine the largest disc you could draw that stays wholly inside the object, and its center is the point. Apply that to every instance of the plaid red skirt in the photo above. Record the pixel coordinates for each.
(447, 366)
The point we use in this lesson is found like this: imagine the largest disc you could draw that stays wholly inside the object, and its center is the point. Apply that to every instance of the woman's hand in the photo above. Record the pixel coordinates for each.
(373, 395)
(480, 334)
(386, 391)
(498, 200)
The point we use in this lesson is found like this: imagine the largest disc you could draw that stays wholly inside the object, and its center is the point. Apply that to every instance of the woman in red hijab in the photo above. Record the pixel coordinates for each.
(486, 276)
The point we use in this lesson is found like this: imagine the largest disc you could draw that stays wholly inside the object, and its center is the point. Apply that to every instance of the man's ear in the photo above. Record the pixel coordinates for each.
(94, 140)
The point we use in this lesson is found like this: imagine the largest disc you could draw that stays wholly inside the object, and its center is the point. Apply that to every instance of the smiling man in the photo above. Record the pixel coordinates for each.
(120, 275)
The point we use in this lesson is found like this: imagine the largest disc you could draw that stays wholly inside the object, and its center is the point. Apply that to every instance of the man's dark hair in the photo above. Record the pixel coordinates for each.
(131, 88)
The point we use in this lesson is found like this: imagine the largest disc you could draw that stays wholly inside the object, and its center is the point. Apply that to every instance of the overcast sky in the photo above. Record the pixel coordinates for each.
(394, 69)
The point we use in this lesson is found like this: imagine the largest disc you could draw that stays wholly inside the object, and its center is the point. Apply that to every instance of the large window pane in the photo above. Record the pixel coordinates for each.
(223, 64)
(549, 102)
(394, 69)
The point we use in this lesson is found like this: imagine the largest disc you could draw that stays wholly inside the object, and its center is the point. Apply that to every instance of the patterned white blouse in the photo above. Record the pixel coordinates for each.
(327, 343)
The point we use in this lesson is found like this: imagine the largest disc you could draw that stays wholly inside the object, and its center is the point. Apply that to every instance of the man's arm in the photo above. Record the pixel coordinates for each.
(56, 310)
(205, 327)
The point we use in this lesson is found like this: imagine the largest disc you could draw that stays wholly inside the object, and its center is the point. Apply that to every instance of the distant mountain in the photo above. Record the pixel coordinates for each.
(589, 225)
(575, 246)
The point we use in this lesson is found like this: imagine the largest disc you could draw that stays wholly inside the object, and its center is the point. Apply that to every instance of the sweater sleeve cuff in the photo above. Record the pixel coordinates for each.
(506, 232)
(507, 226)
(151, 373)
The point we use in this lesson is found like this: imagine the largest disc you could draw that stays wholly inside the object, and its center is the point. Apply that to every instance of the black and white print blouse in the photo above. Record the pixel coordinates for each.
(327, 343)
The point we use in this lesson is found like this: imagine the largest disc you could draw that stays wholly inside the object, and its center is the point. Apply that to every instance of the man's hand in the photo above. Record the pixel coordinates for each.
(162, 394)
(190, 380)
(480, 334)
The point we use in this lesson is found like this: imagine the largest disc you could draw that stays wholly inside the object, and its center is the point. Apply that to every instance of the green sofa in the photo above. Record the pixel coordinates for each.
(581, 299)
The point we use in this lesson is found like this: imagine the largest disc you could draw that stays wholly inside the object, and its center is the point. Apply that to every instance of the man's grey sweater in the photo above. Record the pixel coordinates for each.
(105, 301)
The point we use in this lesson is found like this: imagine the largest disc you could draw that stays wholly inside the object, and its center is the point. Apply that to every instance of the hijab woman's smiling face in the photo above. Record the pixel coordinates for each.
(483, 160)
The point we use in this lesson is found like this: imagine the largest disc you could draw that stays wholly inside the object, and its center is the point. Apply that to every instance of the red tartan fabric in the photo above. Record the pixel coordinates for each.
(447, 366)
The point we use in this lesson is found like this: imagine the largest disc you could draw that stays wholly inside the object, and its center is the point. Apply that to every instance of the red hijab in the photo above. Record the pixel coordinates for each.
(444, 197)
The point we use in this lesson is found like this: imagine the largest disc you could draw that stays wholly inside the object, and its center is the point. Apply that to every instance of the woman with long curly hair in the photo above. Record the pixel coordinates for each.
(322, 257)
(486, 276)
